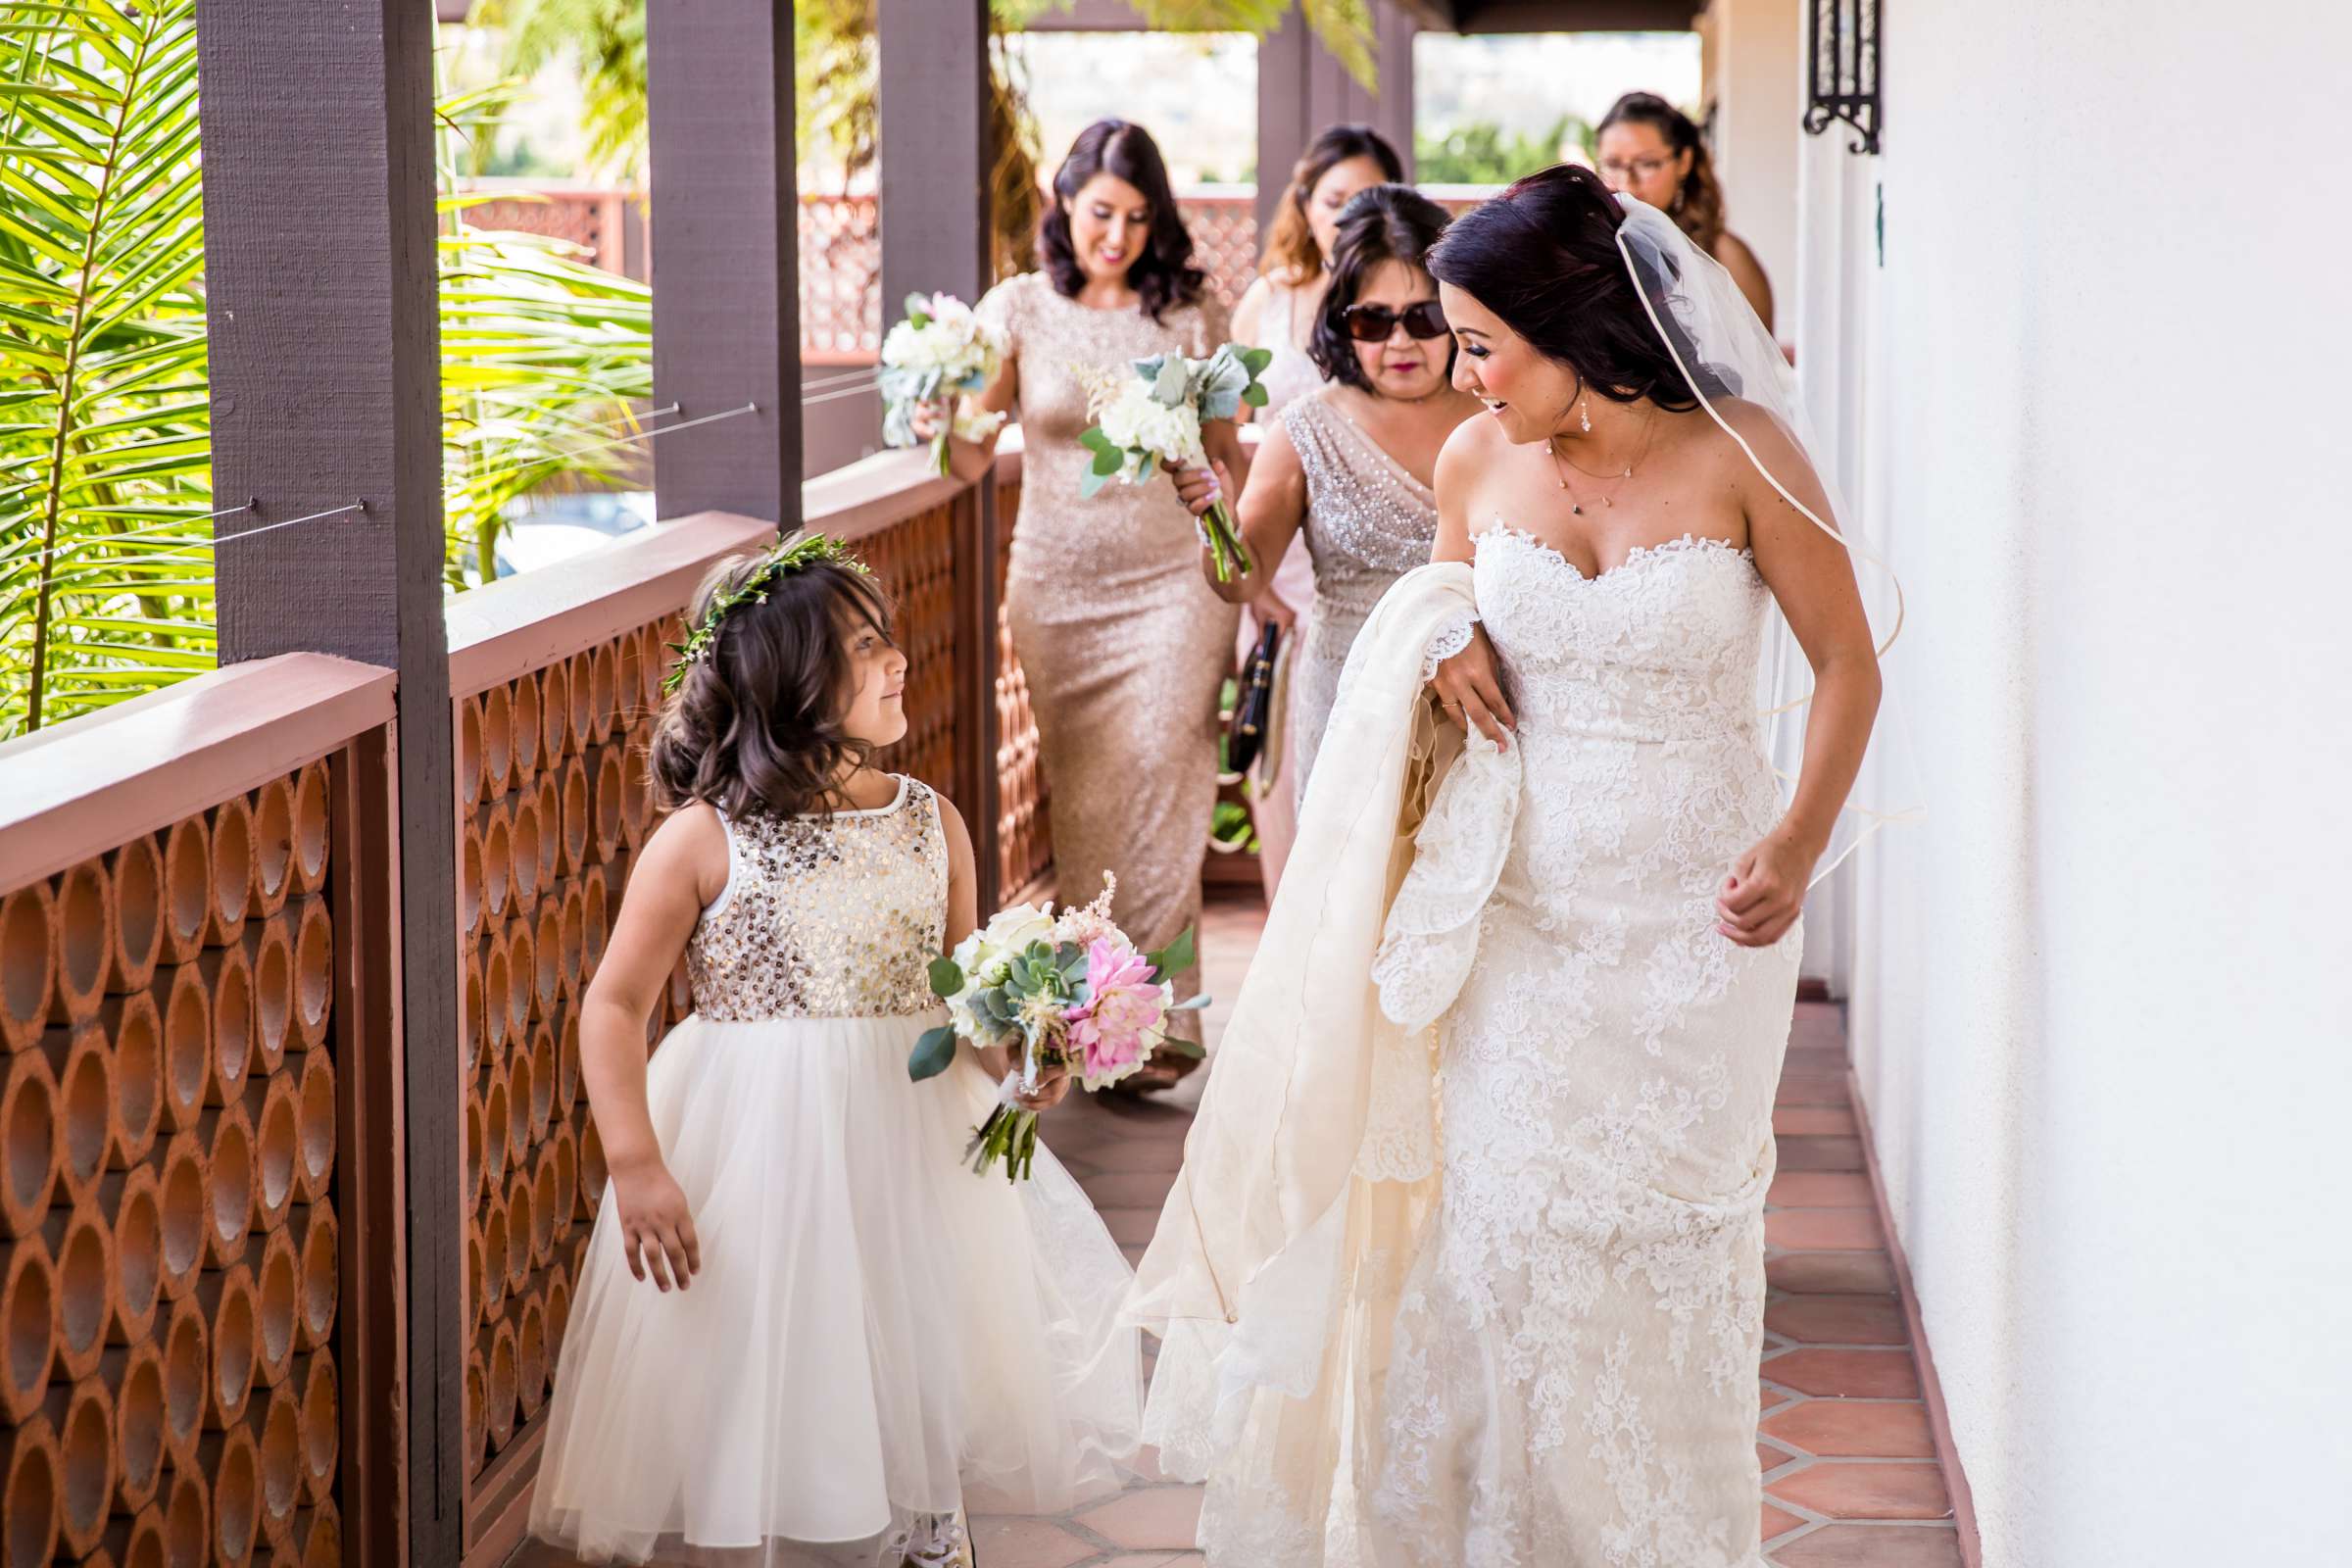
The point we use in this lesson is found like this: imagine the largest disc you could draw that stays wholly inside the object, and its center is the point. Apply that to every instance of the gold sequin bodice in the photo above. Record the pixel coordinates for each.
(827, 917)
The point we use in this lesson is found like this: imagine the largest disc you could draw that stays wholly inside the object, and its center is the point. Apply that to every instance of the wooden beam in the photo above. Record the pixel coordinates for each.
(1431, 16)
(726, 290)
(1302, 88)
(1576, 16)
(935, 121)
(319, 262)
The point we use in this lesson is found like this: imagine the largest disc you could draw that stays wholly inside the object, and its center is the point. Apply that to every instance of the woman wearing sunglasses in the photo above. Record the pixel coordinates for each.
(1351, 463)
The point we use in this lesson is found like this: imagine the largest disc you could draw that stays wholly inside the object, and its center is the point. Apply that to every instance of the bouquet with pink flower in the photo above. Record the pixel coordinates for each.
(1072, 991)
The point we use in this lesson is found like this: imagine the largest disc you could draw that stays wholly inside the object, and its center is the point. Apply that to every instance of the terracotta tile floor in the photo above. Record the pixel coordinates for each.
(1850, 1474)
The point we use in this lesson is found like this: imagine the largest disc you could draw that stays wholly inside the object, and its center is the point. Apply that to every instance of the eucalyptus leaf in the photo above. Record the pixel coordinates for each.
(1191, 1049)
(1174, 959)
(933, 1054)
(947, 977)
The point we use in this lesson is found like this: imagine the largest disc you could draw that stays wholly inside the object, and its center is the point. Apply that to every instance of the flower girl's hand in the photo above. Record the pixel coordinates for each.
(1470, 688)
(655, 1226)
(1200, 488)
(1765, 892)
(1052, 1083)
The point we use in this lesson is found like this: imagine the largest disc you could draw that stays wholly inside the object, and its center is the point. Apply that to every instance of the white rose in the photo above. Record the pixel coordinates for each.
(907, 348)
(1012, 930)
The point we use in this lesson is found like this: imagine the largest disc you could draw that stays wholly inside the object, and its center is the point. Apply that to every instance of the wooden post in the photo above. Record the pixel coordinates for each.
(937, 154)
(726, 292)
(319, 241)
(1301, 88)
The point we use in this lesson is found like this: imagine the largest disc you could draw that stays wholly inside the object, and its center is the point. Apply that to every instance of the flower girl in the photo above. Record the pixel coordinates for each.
(804, 1332)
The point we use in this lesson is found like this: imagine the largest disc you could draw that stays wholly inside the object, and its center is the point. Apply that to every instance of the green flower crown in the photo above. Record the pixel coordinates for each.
(796, 554)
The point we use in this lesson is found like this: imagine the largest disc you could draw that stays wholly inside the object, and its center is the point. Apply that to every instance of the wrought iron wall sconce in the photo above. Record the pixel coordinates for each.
(1841, 75)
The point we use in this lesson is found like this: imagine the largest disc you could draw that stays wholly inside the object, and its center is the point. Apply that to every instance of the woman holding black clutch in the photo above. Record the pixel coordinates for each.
(1350, 464)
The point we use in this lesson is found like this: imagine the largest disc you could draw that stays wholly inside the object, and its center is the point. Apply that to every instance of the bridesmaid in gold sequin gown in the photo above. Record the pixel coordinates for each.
(1124, 648)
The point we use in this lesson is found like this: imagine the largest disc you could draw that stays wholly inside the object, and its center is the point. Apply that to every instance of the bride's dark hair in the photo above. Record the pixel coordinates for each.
(756, 723)
(1543, 256)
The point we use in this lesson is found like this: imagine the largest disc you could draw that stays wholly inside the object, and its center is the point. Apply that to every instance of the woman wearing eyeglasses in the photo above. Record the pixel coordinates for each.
(1350, 464)
(1651, 150)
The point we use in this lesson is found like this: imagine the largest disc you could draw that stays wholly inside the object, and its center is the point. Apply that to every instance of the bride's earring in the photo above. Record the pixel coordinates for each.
(1584, 413)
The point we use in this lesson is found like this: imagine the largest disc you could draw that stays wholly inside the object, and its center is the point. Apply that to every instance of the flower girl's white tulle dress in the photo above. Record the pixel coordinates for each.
(877, 1333)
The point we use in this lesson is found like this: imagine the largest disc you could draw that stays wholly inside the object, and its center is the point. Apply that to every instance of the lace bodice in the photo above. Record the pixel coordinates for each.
(827, 917)
(1663, 648)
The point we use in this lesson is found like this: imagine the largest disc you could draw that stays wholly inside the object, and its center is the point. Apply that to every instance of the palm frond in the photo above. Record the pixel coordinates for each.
(106, 510)
(101, 249)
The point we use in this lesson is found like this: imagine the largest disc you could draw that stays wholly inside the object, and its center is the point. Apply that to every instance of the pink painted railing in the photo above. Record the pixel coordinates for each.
(200, 1169)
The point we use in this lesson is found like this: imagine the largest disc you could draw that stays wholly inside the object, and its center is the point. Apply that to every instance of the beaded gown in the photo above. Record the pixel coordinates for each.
(836, 1369)
(1369, 522)
(1123, 646)
(1274, 783)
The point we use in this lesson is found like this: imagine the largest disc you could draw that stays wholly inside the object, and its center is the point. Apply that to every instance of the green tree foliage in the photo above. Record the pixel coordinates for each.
(1489, 155)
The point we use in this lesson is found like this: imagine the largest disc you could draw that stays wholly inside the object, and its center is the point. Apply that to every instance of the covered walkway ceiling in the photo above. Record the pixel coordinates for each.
(1443, 16)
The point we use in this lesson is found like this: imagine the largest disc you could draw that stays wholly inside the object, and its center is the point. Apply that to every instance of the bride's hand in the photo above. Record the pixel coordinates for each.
(1470, 688)
(1765, 892)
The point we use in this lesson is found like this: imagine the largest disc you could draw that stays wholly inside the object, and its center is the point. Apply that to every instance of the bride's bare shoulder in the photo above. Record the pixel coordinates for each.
(1752, 422)
(1474, 440)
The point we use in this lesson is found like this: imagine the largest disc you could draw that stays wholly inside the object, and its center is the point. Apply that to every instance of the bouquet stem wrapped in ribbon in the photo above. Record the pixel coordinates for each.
(1155, 416)
(941, 350)
(1070, 991)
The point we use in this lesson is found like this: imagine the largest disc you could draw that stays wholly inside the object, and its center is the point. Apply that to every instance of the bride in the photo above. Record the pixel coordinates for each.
(1466, 1264)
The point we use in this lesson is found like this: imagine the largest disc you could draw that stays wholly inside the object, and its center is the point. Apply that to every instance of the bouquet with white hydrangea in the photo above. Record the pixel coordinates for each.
(1067, 990)
(941, 350)
(1155, 416)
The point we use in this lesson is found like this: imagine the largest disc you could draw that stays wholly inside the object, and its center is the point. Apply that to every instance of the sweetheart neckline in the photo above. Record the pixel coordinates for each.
(1687, 543)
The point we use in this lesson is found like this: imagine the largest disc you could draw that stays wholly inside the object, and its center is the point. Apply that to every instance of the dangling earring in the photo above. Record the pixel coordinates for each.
(1583, 413)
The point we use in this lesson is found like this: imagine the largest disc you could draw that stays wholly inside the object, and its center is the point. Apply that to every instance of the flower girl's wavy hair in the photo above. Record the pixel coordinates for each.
(1543, 256)
(1292, 255)
(1697, 209)
(1383, 223)
(755, 721)
(1164, 273)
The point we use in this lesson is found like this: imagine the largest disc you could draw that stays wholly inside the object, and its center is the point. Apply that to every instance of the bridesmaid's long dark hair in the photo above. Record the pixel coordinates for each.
(1164, 273)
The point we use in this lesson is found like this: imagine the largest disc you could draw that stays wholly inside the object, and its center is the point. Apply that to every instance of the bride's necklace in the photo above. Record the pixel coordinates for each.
(1561, 464)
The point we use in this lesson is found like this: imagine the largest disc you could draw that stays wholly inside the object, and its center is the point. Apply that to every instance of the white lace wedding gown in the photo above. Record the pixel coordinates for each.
(1574, 1371)
(1506, 1314)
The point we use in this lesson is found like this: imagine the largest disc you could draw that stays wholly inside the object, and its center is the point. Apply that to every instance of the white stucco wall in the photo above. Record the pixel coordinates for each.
(1753, 79)
(2102, 1002)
